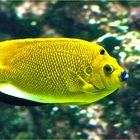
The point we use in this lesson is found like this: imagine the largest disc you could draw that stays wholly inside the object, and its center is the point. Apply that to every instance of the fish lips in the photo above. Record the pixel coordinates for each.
(124, 76)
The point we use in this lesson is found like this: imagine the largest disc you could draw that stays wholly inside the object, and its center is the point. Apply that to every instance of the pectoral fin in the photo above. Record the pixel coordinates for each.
(76, 83)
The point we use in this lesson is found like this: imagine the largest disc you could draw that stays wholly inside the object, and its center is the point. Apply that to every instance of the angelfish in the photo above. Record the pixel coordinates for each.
(57, 70)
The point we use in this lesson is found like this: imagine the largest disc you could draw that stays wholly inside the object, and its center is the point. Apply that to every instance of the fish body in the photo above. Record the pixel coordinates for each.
(57, 70)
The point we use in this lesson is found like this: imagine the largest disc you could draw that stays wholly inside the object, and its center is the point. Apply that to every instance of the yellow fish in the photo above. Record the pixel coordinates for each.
(57, 70)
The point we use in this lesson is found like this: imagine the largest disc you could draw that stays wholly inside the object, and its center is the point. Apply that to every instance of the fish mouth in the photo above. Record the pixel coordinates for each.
(124, 76)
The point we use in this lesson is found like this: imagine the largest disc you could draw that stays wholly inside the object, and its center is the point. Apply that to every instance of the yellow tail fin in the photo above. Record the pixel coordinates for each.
(7, 50)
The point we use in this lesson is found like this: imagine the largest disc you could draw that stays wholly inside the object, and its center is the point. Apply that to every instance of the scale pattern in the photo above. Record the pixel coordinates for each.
(46, 66)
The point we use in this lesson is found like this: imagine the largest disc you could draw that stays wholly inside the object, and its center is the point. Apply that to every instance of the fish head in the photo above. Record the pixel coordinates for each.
(107, 75)
(112, 74)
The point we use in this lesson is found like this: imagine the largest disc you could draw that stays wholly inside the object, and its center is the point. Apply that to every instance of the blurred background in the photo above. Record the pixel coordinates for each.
(113, 24)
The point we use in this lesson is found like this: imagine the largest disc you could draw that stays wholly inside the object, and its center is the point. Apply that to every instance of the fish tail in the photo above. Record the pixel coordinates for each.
(2, 57)
(2, 74)
(8, 49)
(1, 68)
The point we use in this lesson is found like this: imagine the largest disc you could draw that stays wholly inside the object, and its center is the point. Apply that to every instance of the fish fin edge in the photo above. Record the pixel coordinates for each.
(14, 92)
(11, 100)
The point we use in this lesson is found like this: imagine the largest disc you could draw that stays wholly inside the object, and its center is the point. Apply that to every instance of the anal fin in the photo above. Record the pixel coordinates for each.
(8, 99)
(15, 93)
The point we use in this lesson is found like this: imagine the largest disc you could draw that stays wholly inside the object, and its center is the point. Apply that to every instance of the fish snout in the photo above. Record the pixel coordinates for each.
(124, 76)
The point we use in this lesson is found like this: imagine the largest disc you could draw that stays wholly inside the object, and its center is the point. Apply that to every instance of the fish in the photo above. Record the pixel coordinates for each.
(65, 71)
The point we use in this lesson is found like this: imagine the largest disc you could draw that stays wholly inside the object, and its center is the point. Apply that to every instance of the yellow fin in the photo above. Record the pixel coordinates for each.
(77, 83)
(86, 86)
(7, 50)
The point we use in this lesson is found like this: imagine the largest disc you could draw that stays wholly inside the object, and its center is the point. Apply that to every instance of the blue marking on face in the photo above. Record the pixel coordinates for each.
(124, 76)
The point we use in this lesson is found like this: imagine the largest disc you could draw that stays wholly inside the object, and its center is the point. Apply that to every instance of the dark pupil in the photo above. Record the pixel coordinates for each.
(107, 68)
(102, 52)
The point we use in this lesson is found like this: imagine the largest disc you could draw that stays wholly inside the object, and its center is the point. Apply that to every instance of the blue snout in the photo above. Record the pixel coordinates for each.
(124, 76)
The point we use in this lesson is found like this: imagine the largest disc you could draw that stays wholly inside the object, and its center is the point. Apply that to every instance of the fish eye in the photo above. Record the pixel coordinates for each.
(108, 69)
(88, 70)
(102, 51)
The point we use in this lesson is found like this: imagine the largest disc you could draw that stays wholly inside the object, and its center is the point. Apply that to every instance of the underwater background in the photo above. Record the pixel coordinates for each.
(112, 24)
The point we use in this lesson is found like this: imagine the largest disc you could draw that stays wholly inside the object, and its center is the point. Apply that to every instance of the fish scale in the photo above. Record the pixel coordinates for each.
(53, 70)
